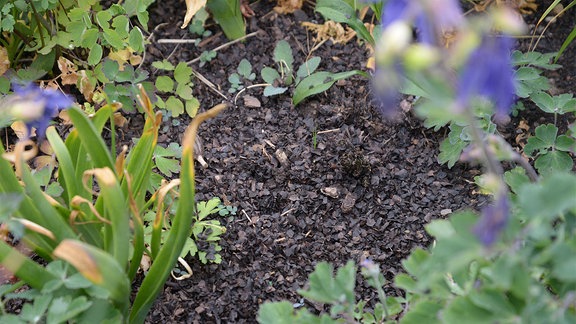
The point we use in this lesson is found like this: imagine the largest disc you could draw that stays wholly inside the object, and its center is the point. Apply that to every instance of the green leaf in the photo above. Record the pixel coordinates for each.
(283, 53)
(228, 15)
(319, 82)
(342, 12)
(102, 18)
(136, 40)
(550, 197)
(565, 143)
(325, 288)
(308, 67)
(183, 73)
(95, 54)
(276, 313)
(554, 161)
(121, 25)
(422, 312)
(163, 65)
(516, 178)
(462, 310)
(164, 83)
(234, 79)
(244, 68)
(63, 309)
(450, 152)
(206, 208)
(544, 138)
(184, 91)
(175, 106)
(534, 59)
(559, 104)
(272, 91)
(113, 38)
(269, 75)
(192, 107)
(10, 204)
(566, 43)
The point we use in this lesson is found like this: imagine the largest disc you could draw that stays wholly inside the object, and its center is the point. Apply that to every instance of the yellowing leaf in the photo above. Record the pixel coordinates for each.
(86, 86)
(330, 30)
(288, 6)
(69, 71)
(20, 130)
(192, 7)
(75, 253)
(125, 56)
(4, 60)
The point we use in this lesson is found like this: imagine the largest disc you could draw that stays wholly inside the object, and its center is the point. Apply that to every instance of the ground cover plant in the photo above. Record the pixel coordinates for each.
(297, 185)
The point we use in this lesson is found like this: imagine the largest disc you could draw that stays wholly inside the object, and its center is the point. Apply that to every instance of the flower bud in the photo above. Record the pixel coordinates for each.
(395, 39)
(421, 56)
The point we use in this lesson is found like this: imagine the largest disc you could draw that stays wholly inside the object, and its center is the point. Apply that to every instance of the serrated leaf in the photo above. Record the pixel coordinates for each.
(543, 100)
(184, 91)
(516, 178)
(269, 75)
(192, 107)
(549, 197)
(163, 65)
(554, 161)
(276, 313)
(283, 53)
(206, 208)
(175, 106)
(450, 152)
(182, 73)
(272, 91)
(164, 83)
(234, 79)
(167, 166)
(565, 143)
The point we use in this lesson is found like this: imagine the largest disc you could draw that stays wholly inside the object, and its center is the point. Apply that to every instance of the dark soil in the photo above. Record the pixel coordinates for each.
(366, 190)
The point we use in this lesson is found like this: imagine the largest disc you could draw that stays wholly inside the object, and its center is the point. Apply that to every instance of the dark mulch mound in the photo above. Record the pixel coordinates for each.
(365, 191)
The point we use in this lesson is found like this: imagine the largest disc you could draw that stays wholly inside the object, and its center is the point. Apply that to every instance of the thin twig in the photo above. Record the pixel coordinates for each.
(175, 41)
(226, 45)
(209, 84)
(250, 87)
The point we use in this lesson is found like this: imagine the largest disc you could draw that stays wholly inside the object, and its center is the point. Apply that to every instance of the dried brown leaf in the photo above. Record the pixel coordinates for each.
(288, 6)
(192, 7)
(4, 60)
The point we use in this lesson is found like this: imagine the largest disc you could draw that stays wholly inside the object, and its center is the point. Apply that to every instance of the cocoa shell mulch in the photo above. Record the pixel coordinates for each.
(363, 188)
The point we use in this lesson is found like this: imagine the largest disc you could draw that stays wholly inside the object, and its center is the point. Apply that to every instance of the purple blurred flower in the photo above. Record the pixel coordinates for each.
(493, 220)
(489, 73)
(393, 11)
(36, 107)
(430, 17)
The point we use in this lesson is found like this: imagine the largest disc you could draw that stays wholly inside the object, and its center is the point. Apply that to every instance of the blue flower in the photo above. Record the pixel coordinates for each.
(36, 107)
(488, 72)
(430, 17)
(393, 11)
(493, 220)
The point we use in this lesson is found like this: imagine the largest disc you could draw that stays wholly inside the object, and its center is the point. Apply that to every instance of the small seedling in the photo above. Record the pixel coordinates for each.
(178, 87)
(244, 72)
(307, 81)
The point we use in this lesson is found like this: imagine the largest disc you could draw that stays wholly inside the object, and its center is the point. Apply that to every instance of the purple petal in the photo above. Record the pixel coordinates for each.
(492, 222)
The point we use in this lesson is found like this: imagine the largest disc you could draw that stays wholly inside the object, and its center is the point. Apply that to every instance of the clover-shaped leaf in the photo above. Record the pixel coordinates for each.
(559, 104)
